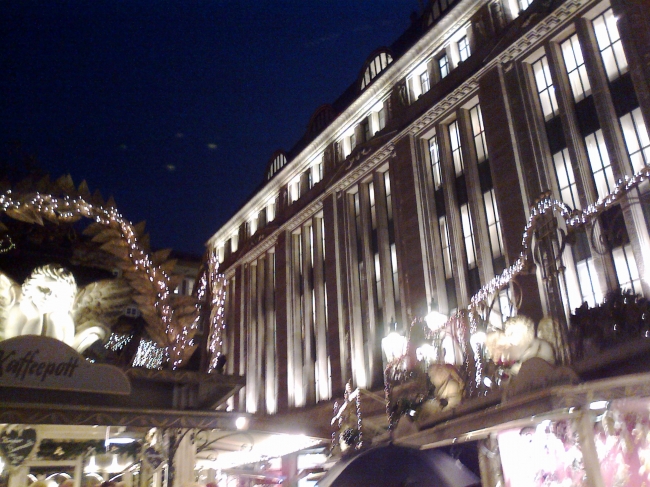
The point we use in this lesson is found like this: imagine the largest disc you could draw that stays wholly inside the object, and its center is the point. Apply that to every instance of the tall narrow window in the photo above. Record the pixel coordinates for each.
(456, 152)
(446, 246)
(391, 241)
(575, 66)
(468, 235)
(565, 179)
(600, 164)
(627, 271)
(493, 223)
(463, 49)
(545, 89)
(434, 154)
(443, 64)
(479, 133)
(610, 45)
(636, 139)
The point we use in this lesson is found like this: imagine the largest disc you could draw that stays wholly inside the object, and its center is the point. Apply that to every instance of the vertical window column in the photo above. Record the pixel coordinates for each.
(295, 326)
(323, 382)
(271, 380)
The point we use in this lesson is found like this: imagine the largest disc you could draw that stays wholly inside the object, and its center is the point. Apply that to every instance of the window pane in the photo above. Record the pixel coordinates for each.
(565, 179)
(479, 133)
(636, 139)
(626, 269)
(434, 154)
(456, 152)
(600, 165)
(575, 67)
(609, 43)
(468, 235)
(545, 88)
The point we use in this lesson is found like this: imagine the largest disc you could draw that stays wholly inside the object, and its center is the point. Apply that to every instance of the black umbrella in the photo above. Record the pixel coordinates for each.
(397, 466)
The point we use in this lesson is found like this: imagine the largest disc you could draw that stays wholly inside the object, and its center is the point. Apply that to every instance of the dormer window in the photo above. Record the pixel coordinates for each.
(375, 66)
(277, 163)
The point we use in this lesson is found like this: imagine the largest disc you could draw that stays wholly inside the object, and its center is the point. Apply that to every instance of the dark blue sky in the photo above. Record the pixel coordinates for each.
(175, 107)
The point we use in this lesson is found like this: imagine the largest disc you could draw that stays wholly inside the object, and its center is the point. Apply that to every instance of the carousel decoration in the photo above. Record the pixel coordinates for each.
(171, 320)
(472, 353)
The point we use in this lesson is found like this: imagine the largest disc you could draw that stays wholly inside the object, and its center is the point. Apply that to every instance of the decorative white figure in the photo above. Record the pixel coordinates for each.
(50, 304)
(517, 343)
(44, 305)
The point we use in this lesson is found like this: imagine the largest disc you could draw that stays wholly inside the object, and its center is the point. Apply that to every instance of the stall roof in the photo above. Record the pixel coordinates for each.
(473, 421)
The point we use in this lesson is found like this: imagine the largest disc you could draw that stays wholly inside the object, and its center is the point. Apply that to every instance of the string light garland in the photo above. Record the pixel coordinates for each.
(216, 284)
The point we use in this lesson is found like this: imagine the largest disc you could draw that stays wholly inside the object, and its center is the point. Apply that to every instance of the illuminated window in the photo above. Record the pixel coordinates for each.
(463, 49)
(381, 115)
(468, 235)
(626, 269)
(610, 45)
(445, 243)
(456, 152)
(443, 64)
(565, 179)
(600, 164)
(524, 4)
(479, 133)
(575, 66)
(493, 223)
(545, 89)
(270, 211)
(424, 82)
(636, 139)
(294, 190)
(434, 154)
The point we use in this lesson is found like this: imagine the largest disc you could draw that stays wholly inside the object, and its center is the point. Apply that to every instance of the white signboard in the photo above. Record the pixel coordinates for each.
(39, 362)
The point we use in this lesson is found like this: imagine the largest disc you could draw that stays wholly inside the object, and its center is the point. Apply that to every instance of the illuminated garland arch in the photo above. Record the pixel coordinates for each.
(572, 218)
(171, 320)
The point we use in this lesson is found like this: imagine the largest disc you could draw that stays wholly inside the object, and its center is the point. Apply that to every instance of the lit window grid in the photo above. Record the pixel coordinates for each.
(627, 271)
(565, 179)
(601, 167)
(446, 246)
(493, 223)
(443, 64)
(456, 152)
(434, 154)
(463, 48)
(610, 45)
(545, 88)
(468, 235)
(575, 66)
(479, 133)
(424, 82)
(637, 140)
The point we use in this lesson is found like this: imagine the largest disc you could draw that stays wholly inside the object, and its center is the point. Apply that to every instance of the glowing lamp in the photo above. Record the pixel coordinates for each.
(394, 346)
(435, 320)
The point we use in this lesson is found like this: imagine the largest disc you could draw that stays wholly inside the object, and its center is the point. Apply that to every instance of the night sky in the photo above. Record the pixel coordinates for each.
(175, 107)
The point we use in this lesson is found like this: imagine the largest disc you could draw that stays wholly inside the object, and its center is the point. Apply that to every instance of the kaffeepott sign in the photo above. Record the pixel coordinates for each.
(38, 362)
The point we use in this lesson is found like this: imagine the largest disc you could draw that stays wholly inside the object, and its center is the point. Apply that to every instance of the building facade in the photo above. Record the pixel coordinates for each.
(410, 192)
